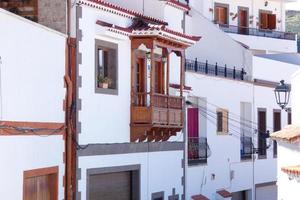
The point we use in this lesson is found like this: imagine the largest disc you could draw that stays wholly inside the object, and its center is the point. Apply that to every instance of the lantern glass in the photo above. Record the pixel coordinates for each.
(282, 94)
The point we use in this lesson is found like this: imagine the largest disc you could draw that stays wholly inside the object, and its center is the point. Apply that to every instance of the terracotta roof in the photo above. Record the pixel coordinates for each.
(115, 28)
(178, 5)
(224, 193)
(162, 31)
(290, 134)
(294, 170)
(199, 197)
(120, 10)
(155, 30)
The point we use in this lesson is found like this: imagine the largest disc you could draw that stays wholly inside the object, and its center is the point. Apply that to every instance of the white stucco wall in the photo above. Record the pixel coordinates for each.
(215, 46)
(32, 71)
(288, 155)
(22, 153)
(159, 171)
(264, 67)
(275, 6)
(255, 43)
(295, 97)
(32, 89)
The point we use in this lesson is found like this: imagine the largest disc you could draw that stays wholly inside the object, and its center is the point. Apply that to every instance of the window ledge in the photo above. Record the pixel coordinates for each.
(106, 91)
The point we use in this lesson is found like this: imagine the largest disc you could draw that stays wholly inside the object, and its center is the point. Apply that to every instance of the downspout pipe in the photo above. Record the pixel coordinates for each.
(70, 178)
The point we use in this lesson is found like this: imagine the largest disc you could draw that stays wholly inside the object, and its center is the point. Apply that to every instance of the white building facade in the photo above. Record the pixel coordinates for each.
(289, 149)
(232, 104)
(129, 120)
(32, 115)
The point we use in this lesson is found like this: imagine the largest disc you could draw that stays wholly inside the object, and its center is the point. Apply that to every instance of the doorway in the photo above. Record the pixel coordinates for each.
(243, 20)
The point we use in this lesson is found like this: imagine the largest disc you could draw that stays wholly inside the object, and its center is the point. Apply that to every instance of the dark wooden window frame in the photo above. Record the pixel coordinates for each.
(259, 20)
(289, 117)
(258, 134)
(42, 172)
(109, 45)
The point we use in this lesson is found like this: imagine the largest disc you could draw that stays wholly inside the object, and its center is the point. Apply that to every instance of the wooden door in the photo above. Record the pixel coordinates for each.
(263, 20)
(159, 78)
(243, 21)
(141, 82)
(41, 187)
(262, 129)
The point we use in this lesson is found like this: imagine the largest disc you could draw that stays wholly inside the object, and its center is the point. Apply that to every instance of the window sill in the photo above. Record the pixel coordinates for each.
(262, 156)
(192, 163)
(106, 91)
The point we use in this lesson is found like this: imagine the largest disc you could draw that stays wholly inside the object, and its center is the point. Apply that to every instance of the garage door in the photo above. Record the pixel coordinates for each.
(268, 192)
(110, 186)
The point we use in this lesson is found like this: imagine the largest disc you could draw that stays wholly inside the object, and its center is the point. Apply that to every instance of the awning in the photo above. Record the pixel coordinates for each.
(199, 197)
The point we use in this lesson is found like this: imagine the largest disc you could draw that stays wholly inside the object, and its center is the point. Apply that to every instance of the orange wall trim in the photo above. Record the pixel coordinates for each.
(13, 128)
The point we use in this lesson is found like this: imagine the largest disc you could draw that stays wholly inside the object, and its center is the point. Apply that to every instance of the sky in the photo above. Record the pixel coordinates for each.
(293, 6)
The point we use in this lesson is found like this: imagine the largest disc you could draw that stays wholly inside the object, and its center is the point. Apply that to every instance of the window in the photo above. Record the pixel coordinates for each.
(41, 184)
(246, 130)
(276, 127)
(262, 133)
(106, 67)
(289, 121)
(267, 20)
(222, 121)
(221, 14)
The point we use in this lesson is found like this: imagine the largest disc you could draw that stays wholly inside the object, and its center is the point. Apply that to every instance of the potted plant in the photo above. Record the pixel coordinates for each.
(104, 82)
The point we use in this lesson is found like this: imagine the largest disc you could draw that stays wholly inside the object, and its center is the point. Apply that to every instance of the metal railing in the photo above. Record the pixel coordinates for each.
(257, 32)
(197, 150)
(215, 70)
(246, 147)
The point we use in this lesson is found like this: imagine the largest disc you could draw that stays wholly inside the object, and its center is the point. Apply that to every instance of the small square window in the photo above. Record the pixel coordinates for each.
(106, 67)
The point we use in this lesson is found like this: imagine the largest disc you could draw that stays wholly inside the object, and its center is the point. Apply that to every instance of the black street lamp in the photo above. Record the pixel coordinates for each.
(282, 94)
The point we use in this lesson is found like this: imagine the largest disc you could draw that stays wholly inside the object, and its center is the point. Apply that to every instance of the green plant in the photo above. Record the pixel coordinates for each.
(102, 79)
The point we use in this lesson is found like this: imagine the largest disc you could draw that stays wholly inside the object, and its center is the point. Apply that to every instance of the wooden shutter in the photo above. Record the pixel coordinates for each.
(225, 121)
(217, 14)
(222, 121)
(219, 122)
(262, 128)
(263, 20)
(271, 21)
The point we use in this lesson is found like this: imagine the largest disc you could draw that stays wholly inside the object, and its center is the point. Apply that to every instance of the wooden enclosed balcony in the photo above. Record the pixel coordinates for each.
(156, 115)
(162, 118)
(164, 110)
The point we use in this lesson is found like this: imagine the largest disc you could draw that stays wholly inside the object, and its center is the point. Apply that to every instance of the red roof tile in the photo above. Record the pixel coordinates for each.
(199, 197)
(145, 30)
(178, 5)
(123, 10)
(195, 38)
(295, 170)
(224, 193)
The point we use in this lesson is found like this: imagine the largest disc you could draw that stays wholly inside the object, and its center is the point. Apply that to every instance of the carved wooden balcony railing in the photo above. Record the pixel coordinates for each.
(156, 115)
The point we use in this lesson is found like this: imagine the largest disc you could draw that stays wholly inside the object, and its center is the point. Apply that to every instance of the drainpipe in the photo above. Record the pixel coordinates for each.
(69, 147)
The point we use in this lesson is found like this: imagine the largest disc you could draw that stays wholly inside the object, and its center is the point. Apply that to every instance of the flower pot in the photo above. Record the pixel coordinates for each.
(103, 85)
